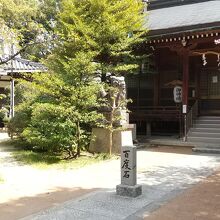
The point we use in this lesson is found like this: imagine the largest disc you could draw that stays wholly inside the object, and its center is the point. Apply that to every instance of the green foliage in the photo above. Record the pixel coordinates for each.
(25, 97)
(4, 116)
(51, 127)
(2, 113)
(92, 37)
(28, 24)
(102, 27)
(53, 114)
(97, 37)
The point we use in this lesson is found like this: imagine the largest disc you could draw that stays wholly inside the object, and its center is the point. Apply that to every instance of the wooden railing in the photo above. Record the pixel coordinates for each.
(190, 118)
(148, 113)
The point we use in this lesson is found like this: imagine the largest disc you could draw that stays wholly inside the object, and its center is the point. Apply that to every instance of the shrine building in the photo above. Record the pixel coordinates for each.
(178, 90)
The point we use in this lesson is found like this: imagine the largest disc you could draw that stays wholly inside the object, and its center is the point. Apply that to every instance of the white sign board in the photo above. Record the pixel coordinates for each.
(184, 109)
(177, 94)
(126, 138)
(215, 79)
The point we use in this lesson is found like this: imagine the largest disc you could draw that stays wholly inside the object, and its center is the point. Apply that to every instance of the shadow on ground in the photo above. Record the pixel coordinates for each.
(16, 209)
(200, 202)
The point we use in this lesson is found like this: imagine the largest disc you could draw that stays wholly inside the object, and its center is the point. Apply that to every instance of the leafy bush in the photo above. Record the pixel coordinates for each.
(51, 127)
(4, 119)
(20, 121)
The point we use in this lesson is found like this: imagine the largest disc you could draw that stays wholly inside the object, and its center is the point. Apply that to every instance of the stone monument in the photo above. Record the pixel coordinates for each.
(128, 186)
(124, 133)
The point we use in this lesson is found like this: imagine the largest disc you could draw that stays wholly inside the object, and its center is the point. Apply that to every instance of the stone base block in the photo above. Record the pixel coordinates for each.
(129, 191)
(100, 140)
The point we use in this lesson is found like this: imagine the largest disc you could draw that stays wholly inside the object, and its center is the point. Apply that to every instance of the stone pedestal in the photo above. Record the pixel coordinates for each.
(128, 186)
(129, 191)
(100, 140)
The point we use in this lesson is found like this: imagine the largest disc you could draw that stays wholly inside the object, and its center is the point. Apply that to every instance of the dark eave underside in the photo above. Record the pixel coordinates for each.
(156, 4)
(185, 30)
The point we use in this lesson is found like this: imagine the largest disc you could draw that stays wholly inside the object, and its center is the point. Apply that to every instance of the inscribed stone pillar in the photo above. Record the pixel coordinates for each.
(128, 186)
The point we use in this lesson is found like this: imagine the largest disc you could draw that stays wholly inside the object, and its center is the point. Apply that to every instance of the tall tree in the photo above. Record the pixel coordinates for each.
(29, 25)
(108, 30)
(92, 37)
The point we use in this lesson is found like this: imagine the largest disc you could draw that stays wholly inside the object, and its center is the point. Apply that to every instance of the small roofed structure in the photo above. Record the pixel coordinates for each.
(20, 65)
(13, 68)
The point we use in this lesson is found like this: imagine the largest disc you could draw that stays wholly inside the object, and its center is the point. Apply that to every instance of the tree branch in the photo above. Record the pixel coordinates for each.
(3, 61)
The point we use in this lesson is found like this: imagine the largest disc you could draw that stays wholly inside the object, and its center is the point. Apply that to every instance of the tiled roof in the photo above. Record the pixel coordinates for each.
(204, 15)
(22, 65)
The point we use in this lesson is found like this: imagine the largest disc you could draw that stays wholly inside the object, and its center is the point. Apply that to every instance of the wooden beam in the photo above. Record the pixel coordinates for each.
(214, 50)
(179, 42)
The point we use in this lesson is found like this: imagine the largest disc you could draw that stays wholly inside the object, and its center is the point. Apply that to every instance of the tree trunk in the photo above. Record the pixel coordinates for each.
(110, 142)
(78, 139)
(111, 132)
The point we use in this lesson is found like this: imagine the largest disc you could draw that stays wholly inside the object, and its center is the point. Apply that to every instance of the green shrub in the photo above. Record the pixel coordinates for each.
(20, 121)
(50, 128)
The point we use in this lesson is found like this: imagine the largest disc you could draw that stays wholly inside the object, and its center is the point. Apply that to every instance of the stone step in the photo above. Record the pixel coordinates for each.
(209, 117)
(205, 145)
(209, 146)
(197, 125)
(214, 140)
(203, 134)
(206, 150)
(205, 130)
(205, 121)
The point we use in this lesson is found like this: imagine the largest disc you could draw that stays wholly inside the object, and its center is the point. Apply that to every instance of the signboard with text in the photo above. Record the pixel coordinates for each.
(128, 165)
(177, 94)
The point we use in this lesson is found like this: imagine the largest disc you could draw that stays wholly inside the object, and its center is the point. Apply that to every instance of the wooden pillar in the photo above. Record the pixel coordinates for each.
(157, 80)
(185, 77)
(12, 85)
(148, 129)
(185, 89)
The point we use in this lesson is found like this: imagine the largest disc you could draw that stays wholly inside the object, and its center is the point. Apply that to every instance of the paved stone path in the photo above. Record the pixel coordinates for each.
(163, 176)
(201, 202)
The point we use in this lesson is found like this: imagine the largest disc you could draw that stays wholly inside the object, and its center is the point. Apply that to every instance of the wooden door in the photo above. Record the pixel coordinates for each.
(210, 92)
